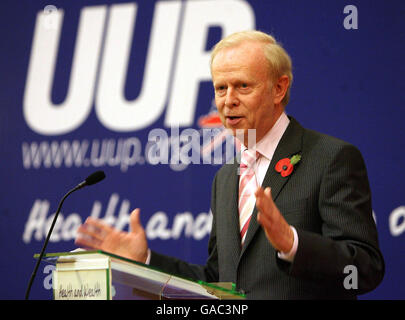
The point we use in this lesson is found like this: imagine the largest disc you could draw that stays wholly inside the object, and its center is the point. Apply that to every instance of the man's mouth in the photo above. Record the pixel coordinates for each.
(233, 120)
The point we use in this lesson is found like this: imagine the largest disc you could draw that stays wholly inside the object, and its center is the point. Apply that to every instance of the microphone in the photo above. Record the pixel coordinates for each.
(90, 180)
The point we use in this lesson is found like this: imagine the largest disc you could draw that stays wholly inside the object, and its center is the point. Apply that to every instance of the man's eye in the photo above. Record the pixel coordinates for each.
(220, 91)
(244, 85)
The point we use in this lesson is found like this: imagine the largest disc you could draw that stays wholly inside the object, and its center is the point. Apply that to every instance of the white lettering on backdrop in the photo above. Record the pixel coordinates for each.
(171, 51)
(159, 225)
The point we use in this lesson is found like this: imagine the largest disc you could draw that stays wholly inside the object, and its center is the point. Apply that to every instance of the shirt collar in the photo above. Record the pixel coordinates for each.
(268, 144)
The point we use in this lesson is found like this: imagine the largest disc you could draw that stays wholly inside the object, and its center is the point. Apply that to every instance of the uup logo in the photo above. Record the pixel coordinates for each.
(176, 63)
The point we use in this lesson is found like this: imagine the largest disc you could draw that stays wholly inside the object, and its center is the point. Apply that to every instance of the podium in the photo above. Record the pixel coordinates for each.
(99, 275)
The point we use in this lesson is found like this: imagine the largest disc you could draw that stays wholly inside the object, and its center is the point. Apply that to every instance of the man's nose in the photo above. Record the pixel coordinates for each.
(231, 98)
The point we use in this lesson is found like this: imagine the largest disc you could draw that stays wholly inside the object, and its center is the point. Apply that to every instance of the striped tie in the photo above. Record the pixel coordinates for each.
(247, 189)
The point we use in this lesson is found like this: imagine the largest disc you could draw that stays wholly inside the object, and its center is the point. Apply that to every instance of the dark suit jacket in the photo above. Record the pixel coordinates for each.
(326, 198)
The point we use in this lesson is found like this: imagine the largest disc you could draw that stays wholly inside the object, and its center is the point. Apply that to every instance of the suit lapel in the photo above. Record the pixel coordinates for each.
(230, 204)
(289, 145)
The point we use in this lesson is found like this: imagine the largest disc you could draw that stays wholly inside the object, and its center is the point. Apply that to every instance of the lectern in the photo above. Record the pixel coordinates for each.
(98, 275)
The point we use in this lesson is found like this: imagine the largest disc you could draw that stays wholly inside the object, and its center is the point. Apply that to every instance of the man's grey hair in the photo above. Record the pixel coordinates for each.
(279, 61)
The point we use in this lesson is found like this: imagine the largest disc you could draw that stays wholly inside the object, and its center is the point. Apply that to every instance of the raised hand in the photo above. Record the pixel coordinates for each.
(277, 230)
(95, 234)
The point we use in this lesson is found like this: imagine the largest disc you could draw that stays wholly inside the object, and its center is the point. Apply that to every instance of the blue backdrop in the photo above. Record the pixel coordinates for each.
(88, 85)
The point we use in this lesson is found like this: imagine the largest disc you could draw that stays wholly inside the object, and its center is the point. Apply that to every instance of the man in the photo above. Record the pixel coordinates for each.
(293, 237)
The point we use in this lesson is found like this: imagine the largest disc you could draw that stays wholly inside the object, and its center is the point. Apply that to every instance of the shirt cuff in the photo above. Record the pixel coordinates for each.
(148, 257)
(289, 256)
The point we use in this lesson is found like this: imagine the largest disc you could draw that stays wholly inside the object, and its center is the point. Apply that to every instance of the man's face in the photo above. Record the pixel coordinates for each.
(244, 93)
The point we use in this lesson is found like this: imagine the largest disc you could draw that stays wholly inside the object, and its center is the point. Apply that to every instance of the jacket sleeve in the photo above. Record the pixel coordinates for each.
(348, 243)
(206, 273)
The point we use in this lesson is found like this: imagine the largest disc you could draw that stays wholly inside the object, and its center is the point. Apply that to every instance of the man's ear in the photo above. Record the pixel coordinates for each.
(280, 89)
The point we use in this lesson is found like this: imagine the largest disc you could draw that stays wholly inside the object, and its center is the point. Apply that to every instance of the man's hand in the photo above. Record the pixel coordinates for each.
(95, 234)
(277, 230)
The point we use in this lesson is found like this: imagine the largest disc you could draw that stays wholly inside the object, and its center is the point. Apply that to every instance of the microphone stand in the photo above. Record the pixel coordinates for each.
(27, 293)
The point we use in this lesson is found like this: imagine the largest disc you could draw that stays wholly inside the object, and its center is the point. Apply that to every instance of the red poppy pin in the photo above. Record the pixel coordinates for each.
(286, 166)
